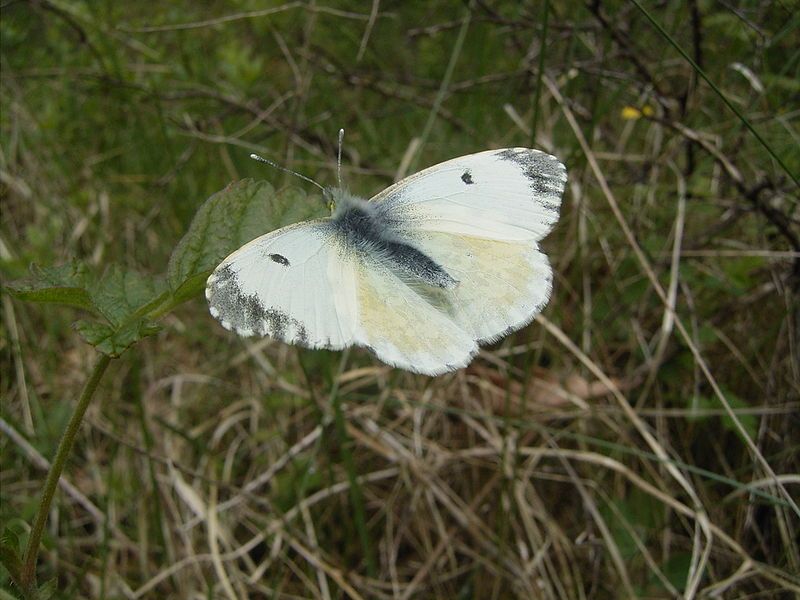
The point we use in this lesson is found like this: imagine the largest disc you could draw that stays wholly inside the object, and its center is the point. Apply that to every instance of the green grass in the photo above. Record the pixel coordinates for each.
(611, 449)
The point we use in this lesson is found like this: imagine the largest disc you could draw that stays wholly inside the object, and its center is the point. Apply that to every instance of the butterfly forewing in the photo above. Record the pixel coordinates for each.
(512, 194)
(291, 284)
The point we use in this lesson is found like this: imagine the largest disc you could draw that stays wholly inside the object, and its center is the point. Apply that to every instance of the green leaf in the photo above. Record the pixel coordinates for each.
(748, 421)
(10, 553)
(120, 293)
(115, 340)
(118, 296)
(677, 568)
(229, 219)
(122, 297)
(66, 284)
(191, 287)
(48, 589)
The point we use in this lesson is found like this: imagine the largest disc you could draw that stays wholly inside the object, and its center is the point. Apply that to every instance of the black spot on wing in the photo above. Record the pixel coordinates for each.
(280, 259)
(466, 177)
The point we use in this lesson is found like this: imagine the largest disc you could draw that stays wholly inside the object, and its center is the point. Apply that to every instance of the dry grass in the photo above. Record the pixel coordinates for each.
(639, 440)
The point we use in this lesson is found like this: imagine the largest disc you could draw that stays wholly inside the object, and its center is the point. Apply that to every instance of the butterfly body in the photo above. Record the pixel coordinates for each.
(366, 229)
(421, 274)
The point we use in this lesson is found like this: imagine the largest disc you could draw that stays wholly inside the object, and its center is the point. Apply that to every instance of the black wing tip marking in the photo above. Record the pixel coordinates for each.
(547, 175)
(245, 314)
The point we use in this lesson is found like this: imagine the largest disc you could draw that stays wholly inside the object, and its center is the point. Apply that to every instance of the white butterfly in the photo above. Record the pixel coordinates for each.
(434, 265)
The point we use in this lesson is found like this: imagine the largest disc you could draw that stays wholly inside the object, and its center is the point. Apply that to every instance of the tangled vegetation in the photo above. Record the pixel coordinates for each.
(640, 439)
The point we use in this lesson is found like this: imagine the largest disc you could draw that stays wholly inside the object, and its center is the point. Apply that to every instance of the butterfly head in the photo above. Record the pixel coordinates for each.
(339, 200)
(329, 195)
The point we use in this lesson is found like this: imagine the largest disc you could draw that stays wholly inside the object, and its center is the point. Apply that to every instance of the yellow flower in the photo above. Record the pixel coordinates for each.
(631, 113)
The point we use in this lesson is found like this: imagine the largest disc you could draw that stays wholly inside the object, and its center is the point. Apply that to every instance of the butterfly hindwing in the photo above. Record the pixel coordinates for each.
(502, 285)
(402, 325)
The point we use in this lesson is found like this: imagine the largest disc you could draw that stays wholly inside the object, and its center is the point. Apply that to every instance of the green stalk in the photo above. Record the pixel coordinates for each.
(448, 74)
(356, 495)
(28, 574)
(538, 93)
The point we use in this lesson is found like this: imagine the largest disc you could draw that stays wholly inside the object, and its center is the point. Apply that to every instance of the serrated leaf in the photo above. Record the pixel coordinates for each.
(112, 340)
(116, 296)
(48, 589)
(65, 284)
(227, 220)
(9, 554)
(120, 293)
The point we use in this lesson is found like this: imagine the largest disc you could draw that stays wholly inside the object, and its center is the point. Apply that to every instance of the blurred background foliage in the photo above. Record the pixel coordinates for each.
(119, 119)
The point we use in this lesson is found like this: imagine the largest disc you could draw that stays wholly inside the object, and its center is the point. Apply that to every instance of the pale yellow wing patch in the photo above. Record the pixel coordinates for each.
(404, 329)
(502, 285)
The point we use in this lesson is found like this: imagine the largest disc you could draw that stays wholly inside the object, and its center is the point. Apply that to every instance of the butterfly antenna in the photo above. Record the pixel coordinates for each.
(280, 168)
(339, 158)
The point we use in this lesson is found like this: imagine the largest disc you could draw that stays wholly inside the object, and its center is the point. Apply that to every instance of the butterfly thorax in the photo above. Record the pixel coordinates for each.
(363, 229)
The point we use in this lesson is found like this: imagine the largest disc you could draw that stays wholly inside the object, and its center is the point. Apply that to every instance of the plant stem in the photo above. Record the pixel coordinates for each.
(28, 574)
(448, 74)
(542, 52)
(356, 495)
